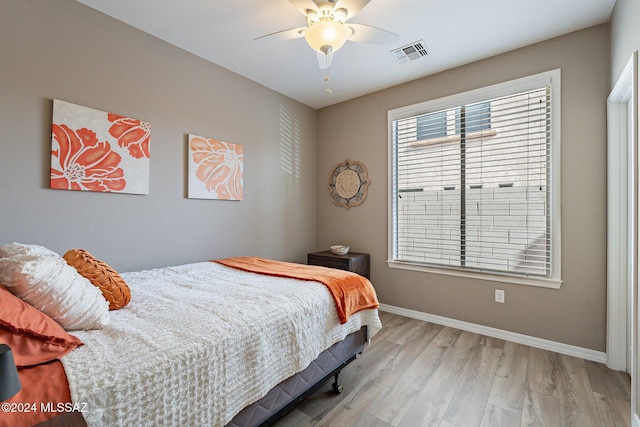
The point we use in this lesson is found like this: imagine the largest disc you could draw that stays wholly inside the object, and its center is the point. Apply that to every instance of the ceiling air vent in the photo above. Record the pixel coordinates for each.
(411, 52)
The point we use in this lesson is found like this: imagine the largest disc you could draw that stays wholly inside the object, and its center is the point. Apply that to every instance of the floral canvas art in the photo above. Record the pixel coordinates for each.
(92, 150)
(215, 169)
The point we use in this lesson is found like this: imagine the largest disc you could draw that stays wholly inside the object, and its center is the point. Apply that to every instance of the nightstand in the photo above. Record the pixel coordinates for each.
(353, 261)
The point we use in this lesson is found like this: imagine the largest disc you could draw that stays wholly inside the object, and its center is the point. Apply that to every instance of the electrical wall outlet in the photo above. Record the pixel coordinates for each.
(500, 296)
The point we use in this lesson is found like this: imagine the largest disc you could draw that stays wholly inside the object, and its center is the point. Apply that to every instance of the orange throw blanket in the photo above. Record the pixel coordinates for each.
(44, 394)
(351, 292)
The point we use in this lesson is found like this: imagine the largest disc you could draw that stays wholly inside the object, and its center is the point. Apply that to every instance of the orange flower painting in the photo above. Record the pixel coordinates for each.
(81, 162)
(92, 150)
(215, 169)
(132, 134)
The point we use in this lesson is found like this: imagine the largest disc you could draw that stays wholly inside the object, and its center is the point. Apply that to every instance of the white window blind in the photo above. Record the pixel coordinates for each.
(471, 185)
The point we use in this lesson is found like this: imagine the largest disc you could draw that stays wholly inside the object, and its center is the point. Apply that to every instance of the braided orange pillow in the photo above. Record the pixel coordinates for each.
(113, 287)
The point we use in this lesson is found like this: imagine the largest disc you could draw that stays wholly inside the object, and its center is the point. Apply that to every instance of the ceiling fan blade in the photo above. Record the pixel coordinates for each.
(368, 34)
(352, 6)
(324, 61)
(290, 34)
(304, 5)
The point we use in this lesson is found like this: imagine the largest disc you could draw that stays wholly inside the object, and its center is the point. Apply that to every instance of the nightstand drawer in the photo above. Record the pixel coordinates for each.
(354, 262)
(341, 264)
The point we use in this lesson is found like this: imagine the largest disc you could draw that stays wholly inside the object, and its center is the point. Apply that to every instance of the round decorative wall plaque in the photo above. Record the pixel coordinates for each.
(349, 183)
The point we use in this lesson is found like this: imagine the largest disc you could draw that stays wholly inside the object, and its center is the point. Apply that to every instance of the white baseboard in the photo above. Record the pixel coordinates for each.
(569, 350)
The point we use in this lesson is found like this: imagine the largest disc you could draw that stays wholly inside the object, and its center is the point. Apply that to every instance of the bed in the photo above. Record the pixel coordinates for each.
(209, 343)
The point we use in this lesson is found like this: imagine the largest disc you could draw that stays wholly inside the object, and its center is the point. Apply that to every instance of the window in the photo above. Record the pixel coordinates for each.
(475, 185)
(430, 126)
(448, 125)
(477, 117)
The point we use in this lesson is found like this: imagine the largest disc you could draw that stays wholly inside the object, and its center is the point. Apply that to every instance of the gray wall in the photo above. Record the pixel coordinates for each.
(64, 50)
(575, 314)
(625, 35)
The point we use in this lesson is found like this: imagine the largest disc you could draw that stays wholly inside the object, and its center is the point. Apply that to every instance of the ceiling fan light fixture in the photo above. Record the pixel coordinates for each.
(312, 17)
(325, 34)
(340, 15)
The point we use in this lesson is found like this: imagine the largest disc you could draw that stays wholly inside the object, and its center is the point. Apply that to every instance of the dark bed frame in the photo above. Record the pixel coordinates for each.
(281, 399)
(291, 392)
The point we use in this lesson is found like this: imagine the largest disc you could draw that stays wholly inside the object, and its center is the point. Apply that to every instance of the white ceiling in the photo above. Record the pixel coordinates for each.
(456, 32)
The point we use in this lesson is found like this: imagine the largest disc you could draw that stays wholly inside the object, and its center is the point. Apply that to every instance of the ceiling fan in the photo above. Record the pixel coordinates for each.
(327, 29)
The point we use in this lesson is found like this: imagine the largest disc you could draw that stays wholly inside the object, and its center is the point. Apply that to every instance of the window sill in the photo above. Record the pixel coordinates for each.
(494, 277)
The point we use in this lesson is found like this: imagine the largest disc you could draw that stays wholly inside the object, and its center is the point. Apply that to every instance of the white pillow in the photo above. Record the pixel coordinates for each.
(14, 249)
(43, 279)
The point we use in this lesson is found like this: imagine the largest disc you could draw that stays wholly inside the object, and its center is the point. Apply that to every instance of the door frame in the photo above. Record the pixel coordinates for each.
(622, 220)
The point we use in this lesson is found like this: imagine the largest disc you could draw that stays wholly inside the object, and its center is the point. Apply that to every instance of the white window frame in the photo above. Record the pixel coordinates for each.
(501, 89)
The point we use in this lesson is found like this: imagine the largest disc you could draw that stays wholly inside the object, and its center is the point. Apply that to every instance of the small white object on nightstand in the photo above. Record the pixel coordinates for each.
(340, 249)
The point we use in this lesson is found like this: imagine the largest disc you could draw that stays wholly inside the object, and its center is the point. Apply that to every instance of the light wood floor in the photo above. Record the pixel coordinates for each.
(420, 374)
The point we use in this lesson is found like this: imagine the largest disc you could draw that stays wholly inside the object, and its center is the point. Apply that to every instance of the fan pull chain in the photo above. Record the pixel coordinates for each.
(326, 50)
(326, 76)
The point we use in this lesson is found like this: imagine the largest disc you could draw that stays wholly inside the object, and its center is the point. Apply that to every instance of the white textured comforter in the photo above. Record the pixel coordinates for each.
(199, 342)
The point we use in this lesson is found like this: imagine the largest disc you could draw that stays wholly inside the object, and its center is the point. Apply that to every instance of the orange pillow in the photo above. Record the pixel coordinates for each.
(33, 336)
(113, 288)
